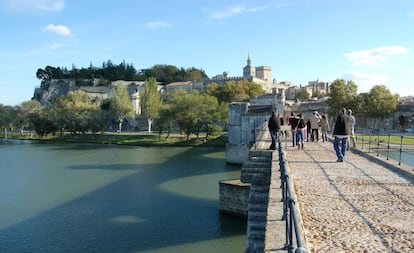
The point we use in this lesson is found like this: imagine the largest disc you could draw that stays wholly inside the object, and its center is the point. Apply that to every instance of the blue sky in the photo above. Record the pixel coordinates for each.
(368, 41)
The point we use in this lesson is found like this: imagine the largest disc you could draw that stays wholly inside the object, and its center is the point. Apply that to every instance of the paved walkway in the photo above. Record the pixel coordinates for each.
(360, 205)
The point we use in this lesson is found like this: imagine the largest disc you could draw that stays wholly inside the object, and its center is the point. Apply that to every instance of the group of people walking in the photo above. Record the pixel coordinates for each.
(314, 127)
(310, 130)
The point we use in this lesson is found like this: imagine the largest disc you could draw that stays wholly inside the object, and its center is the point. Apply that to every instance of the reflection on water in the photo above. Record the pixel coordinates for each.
(86, 198)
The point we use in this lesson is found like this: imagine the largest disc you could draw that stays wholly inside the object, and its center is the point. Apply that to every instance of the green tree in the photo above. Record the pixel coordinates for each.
(25, 113)
(302, 94)
(380, 103)
(165, 120)
(207, 110)
(343, 95)
(193, 74)
(150, 101)
(212, 129)
(76, 112)
(43, 74)
(43, 121)
(121, 105)
(318, 94)
(192, 110)
(233, 91)
(6, 116)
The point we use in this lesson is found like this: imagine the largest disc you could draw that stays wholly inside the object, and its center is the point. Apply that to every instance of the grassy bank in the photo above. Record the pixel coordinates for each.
(134, 139)
(394, 139)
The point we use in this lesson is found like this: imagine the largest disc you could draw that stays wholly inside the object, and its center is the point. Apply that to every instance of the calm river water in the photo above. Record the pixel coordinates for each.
(87, 198)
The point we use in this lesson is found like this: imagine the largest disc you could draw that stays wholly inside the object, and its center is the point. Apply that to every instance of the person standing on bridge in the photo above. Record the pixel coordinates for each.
(341, 134)
(352, 126)
(315, 122)
(300, 131)
(293, 122)
(274, 129)
(324, 128)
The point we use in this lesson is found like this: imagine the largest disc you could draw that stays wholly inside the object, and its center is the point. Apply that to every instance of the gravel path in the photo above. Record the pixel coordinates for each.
(355, 206)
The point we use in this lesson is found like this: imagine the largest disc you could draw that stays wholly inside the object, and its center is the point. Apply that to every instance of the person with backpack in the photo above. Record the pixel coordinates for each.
(300, 131)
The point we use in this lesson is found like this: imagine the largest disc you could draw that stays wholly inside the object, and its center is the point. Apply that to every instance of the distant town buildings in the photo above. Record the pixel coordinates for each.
(282, 95)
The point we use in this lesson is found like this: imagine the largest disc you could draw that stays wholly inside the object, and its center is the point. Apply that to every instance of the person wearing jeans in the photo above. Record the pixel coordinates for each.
(274, 129)
(300, 131)
(341, 134)
(324, 128)
(293, 122)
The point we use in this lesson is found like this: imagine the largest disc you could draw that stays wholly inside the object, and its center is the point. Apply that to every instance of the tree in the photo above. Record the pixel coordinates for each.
(233, 91)
(302, 94)
(6, 116)
(43, 121)
(343, 95)
(212, 129)
(25, 113)
(318, 94)
(121, 105)
(150, 101)
(207, 110)
(76, 112)
(43, 74)
(380, 103)
(193, 74)
(193, 110)
(165, 120)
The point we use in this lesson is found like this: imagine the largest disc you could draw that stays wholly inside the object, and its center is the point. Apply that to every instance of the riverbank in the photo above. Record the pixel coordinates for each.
(132, 139)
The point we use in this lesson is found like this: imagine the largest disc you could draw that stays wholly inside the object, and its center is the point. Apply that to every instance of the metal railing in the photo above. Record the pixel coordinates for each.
(386, 142)
(289, 210)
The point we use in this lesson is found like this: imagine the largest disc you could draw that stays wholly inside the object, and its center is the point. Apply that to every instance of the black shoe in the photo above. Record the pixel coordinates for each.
(339, 160)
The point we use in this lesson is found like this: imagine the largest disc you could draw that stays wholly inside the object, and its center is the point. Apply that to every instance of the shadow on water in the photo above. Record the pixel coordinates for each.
(132, 214)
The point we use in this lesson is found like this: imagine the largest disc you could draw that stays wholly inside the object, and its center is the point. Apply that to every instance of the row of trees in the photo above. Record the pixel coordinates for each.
(192, 112)
(123, 71)
(378, 103)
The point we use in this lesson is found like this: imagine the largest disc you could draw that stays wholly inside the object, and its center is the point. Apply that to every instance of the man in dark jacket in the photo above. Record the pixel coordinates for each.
(293, 122)
(341, 134)
(274, 129)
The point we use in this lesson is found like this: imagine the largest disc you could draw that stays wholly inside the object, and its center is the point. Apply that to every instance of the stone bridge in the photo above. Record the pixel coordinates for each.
(364, 204)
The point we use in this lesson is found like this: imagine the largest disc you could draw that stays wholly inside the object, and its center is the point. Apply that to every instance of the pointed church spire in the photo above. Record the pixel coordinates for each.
(249, 71)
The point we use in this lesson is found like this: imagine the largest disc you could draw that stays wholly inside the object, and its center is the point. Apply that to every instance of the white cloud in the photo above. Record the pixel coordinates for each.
(59, 29)
(240, 9)
(365, 80)
(372, 57)
(37, 5)
(232, 11)
(157, 24)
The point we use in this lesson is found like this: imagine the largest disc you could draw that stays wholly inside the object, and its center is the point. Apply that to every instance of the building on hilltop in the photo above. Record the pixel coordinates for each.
(319, 87)
(261, 75)
(314, 88)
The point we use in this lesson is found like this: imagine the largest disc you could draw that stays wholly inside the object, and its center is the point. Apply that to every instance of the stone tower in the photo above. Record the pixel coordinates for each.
(249, 71)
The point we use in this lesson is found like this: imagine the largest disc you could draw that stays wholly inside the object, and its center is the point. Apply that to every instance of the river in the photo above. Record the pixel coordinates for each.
(89, 198)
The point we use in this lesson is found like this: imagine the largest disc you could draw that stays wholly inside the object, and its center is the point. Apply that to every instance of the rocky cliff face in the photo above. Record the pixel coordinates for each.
(52, 89)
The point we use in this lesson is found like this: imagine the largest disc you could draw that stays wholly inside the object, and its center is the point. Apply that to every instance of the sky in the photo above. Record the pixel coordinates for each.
(370, 42)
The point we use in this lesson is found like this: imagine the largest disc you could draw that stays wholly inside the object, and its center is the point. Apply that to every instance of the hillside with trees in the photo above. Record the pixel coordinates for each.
(111, 72)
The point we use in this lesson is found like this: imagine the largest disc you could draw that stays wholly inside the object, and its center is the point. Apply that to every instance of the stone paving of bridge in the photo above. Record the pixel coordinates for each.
(359, 205)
